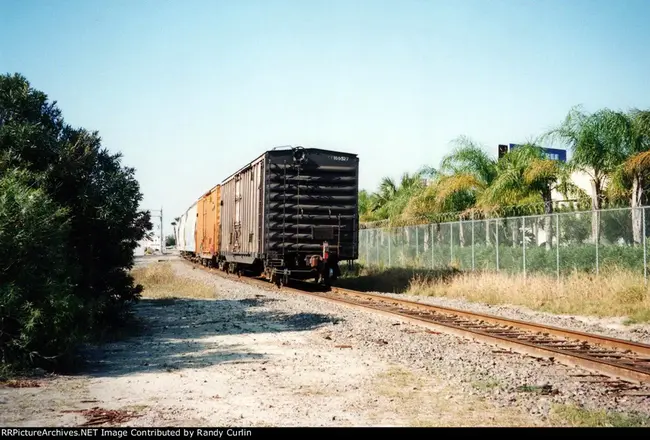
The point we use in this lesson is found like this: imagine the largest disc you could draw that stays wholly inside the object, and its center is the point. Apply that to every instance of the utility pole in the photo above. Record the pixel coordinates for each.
(159, 214)
(162, 236)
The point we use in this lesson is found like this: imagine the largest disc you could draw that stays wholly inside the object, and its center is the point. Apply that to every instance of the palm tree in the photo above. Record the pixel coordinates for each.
(468, 170)
(467, 173)
(365, 202)
(391, 199)
(632, 177)
(525, 174)
(382, 198)
(597, 141)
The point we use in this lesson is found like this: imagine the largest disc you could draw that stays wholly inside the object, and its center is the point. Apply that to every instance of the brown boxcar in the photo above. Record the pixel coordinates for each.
(291, 214)
(208, 226)
(241, 225)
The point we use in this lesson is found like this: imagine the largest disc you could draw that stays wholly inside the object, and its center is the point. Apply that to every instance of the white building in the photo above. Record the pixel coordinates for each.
(152, 244)
(580, 179)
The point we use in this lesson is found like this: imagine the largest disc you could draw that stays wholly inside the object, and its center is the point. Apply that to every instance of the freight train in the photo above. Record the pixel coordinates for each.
(292, 213)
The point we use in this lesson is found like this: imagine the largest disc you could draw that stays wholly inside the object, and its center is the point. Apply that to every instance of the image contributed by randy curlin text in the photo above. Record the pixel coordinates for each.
(126, 432)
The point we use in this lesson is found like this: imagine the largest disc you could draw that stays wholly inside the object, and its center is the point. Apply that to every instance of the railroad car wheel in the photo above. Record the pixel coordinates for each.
(277, 280)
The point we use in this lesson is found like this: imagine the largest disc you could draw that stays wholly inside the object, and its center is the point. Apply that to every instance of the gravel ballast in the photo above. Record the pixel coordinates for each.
(530, 382)
(612, 327)
(261, 357)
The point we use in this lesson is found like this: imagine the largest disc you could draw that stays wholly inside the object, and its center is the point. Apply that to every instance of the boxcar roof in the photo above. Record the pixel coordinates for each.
(250, 164)
(205, 193)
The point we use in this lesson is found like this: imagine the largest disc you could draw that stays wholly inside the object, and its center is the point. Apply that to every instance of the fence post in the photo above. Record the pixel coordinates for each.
(597, 240)
(432, 262)
(451, 243)
(645, 252)
(496, 228)
(417, 245)
(368, 247)
(377, 244)
(390, 240)
(557, 244)
(473, 265)
(523, 223)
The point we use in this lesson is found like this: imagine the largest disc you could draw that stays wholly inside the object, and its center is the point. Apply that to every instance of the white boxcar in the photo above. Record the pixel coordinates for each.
(190, 229)
(186, 230)
(180, 232)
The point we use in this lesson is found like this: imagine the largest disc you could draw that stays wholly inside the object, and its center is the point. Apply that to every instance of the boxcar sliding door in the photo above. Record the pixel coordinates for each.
(237, 225)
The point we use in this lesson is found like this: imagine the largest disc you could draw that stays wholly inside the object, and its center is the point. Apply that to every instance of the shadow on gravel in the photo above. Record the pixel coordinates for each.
(178, 334)
(393, 280)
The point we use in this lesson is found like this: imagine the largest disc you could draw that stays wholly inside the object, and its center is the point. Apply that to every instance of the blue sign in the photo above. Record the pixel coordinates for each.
(551, 153)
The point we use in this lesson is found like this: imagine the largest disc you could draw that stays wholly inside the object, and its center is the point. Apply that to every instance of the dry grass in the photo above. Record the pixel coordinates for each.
(161, 282)
(567, 415)
(423, 401)
(613, 294)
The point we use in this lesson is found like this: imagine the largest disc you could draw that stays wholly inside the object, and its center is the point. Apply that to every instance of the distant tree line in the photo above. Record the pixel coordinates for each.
(69, 225)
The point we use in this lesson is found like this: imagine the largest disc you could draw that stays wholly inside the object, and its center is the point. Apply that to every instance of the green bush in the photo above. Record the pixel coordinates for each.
(69, 223)
(38, 313)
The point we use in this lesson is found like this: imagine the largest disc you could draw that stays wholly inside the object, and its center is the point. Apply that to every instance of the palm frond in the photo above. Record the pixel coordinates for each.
(429, 172)
(457, 183)
(507, 182)
(468, 157)
(619, 187)
(638, 164)
(541, 170)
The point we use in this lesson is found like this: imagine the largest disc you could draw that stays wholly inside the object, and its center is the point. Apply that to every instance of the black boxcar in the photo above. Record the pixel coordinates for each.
(292, 213)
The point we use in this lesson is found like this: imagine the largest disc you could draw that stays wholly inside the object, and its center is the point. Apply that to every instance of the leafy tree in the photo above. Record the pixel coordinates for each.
(170, 240)
(38, 314)
(100, 196)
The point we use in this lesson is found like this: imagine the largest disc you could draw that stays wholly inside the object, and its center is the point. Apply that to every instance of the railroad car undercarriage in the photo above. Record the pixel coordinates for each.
(323, 269)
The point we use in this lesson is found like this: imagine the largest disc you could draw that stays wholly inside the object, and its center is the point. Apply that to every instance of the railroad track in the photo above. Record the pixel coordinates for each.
(622, 366)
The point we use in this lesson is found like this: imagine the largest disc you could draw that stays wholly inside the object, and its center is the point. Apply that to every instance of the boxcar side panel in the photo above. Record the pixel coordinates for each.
(201, 214)
(241, 195)
(180, 232)
(208, 223)
(190, 229)
(215, 220)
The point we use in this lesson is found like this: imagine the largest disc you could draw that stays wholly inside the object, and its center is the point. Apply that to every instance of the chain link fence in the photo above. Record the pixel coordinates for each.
(555, 244)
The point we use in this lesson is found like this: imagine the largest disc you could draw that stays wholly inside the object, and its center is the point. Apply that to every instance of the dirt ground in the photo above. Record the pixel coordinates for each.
(232, 362)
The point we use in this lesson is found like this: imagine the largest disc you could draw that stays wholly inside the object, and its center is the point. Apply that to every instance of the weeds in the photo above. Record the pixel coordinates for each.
(612, 294)
(615, 292)
(161, 282)
(568, 415)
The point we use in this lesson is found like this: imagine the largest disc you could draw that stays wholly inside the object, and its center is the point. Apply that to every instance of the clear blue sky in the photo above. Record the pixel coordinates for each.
(190, 91)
